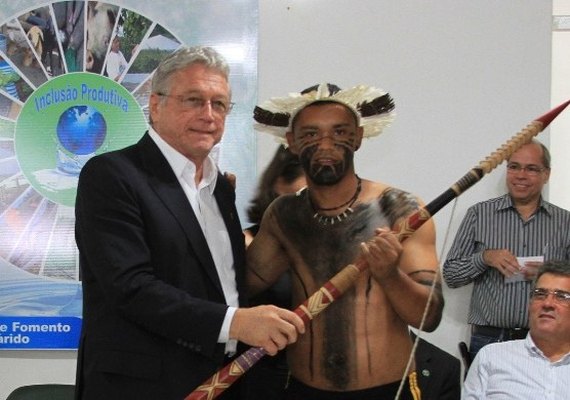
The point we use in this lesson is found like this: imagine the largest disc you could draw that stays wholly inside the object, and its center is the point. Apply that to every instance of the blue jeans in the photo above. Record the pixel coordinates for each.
(480, 336)
(479, 341)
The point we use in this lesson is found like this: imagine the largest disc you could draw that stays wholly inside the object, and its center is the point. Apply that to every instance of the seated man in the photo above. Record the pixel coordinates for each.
(538, 366)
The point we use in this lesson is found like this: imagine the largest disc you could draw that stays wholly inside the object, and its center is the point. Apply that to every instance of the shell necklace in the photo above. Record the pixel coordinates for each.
(332, 219)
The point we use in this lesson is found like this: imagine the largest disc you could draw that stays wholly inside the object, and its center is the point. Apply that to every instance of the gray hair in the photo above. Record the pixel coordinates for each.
(554, 267)
(545, 154)
(182, 58)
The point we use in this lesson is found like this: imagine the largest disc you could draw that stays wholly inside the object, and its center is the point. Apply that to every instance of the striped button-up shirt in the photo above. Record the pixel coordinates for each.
(496, 224)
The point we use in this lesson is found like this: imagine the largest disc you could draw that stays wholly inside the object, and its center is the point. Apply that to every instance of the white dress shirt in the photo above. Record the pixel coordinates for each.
(207, 212)
(516, 369)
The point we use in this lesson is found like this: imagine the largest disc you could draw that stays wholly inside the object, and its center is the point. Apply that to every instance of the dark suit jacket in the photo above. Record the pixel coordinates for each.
(439, 373)
(153, 304)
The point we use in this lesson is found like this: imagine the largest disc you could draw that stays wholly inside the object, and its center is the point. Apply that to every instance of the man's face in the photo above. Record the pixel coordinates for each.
(325, 137)
(524, 186)
(116, 45)
(190, 130)
(549, 317)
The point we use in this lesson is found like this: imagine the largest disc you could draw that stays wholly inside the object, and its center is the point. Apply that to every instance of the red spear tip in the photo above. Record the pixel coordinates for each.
(547, 118)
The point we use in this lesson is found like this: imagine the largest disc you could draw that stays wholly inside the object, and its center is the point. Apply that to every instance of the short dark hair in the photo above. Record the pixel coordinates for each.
(555, 267)
(322, 103)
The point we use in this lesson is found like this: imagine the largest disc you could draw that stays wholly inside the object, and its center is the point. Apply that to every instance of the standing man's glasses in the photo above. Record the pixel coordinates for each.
(532, 170)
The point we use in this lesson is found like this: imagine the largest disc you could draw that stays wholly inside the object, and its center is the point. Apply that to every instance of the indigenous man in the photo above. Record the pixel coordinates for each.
(360, 346)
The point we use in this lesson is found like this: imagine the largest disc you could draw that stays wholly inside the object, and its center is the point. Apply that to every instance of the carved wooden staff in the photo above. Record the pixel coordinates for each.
(345, 278)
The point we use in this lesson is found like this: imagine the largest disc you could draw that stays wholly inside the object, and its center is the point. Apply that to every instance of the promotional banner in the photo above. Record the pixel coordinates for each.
(74, 82)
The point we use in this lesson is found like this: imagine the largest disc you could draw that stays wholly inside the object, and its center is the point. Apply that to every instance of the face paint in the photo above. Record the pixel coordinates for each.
(326, 137)
(326, 174)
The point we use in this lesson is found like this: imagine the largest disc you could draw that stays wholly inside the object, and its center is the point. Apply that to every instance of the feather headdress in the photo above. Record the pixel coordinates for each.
(373, 108)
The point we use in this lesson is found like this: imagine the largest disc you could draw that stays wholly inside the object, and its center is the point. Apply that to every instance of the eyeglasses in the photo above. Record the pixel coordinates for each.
(532, 170)
(193, 103)
(559, 296)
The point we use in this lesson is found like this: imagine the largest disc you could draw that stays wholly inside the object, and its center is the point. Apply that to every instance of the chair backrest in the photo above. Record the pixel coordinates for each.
(465, 356)
(50, 391)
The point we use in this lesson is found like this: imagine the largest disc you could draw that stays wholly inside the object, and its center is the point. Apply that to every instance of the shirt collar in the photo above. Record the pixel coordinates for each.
(179, 162)
(534, 349)
(507, 203)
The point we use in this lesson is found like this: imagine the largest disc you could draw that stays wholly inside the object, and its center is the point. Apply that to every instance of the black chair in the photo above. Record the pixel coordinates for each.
(50, 391)
(465, 356)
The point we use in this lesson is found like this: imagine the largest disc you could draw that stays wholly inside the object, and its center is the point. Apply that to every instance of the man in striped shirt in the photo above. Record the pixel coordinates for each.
(500, 244)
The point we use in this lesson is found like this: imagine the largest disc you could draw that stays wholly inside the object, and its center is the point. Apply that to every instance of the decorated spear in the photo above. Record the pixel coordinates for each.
(345, 278)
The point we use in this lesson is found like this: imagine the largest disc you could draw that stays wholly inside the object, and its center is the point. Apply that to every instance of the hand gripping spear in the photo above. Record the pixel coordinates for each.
(345, 278)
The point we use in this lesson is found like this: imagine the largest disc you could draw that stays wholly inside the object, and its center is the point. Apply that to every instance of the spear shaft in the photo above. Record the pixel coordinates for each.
(345, 278)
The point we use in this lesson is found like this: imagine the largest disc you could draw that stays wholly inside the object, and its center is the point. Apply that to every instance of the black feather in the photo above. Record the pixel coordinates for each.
(333, 89)
(272, 119)
(380, 105)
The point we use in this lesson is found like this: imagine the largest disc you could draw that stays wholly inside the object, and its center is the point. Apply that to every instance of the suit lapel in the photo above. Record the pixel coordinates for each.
(165, 183)
(225, 197)
(424, 367)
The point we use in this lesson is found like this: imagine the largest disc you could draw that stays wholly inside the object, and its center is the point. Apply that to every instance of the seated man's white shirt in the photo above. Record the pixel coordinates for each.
(518, 370)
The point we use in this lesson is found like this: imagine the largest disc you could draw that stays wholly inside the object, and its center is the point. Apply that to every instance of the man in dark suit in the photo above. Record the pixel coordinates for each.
(162, 250)
(438, 372)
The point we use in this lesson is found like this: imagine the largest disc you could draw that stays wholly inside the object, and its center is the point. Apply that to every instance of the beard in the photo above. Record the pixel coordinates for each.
(326, 175)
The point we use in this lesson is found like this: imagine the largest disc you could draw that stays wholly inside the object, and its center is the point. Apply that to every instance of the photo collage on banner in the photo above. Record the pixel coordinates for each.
(75, 82)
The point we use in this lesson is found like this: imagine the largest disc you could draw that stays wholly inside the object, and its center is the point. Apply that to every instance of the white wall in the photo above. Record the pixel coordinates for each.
(560, 141)
(466, 75)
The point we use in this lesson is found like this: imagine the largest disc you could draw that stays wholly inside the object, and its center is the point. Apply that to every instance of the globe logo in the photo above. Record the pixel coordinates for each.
(56, 136)
(81, 130)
